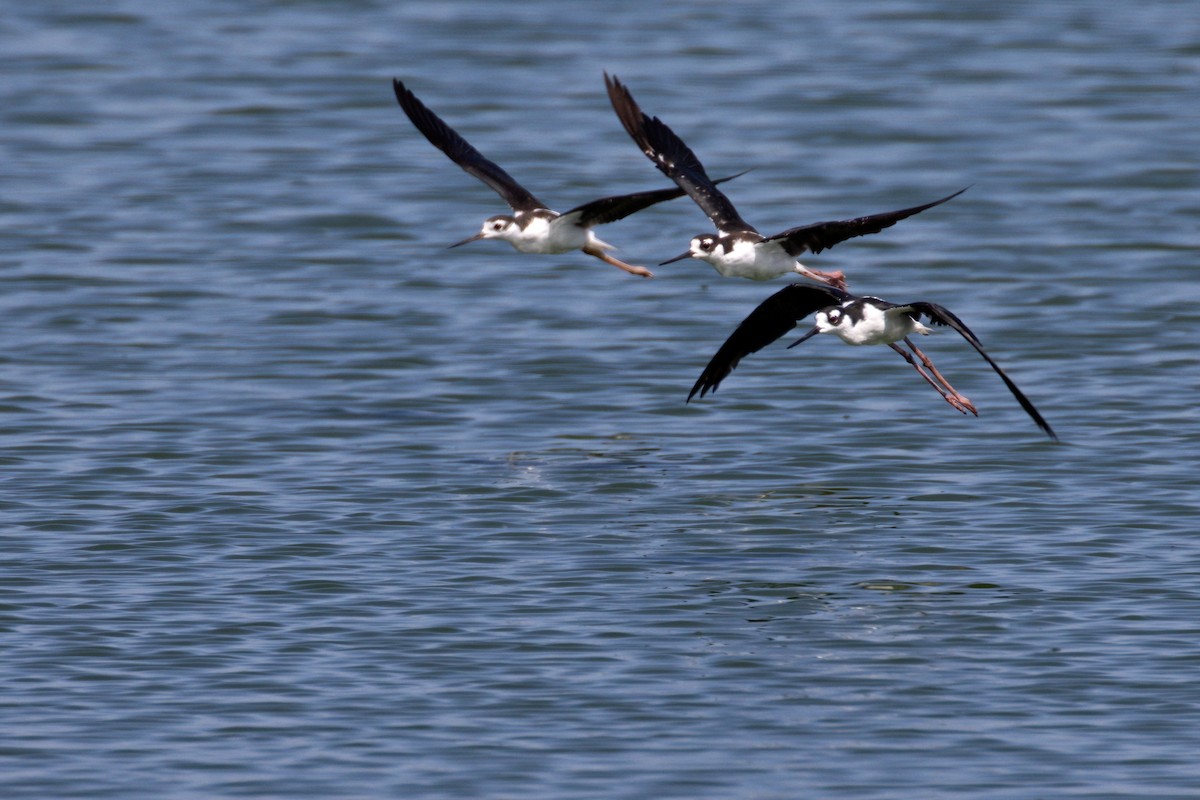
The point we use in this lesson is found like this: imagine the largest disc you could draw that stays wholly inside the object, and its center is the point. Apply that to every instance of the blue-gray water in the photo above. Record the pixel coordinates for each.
(298, 503)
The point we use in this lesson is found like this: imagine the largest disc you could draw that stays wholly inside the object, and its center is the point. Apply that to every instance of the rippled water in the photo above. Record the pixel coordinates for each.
(298, 503)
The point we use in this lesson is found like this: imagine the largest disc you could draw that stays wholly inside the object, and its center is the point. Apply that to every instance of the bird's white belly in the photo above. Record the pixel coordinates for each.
(747, 261)
(543, 236)
(877, 327)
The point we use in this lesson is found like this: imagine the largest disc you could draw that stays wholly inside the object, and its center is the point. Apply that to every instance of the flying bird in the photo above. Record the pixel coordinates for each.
(532, 227)
(737, 249)
(856, 321)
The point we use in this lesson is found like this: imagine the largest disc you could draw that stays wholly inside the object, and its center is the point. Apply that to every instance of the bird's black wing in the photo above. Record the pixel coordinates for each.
(460, 151)
(674, 159)
(611, 209)
(774, 317)
(942, 316)
(819, 236)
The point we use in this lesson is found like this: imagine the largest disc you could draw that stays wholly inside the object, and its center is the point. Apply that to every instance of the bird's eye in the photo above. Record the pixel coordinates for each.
(706, 244)
(834, 317)
(497, 226)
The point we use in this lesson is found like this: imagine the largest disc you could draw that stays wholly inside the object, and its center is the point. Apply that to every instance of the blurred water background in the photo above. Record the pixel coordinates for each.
(298, 503)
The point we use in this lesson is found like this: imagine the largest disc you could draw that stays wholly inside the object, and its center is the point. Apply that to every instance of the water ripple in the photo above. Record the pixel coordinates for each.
(300, 503)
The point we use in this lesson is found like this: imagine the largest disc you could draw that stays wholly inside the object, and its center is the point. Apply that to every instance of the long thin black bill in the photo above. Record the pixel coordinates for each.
(805, 337)
(467, 240)
(679, 257)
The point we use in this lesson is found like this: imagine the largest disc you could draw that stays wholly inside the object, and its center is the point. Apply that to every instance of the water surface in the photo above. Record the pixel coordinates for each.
(298, 503)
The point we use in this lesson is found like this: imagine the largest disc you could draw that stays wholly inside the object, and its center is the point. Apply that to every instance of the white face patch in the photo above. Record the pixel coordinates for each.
(496, 228)
(827, 321)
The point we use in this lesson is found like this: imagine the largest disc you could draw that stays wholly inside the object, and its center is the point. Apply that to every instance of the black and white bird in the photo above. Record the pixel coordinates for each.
(737, 249)
(856, 321)
(532, 227)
